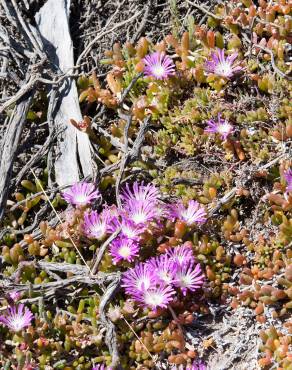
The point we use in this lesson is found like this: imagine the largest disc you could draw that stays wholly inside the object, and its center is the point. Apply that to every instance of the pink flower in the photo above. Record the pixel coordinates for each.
(128, 228)
(189, 277)
(192, 214)
(222, 127)
(94, 225)
(140, 192)
(162, 211)
(81, 194)
(222, 66)
(137, 279)
(288, 178)
(17, 318)
(156, 296)
(152, 283)
(197, 365)
(124, 249)
(101, 367)
(142, 284)
(111, 212)
(180, 255)
(140, 211)
(164, 268)
(112, 215)
(14, 295)
(159, 66)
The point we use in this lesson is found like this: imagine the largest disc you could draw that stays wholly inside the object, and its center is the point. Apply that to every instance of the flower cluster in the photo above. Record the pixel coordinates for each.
(152, 283)
(141, 208)
(17, 317)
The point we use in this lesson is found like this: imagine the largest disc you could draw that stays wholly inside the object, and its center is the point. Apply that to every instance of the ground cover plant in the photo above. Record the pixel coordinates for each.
(174, 250)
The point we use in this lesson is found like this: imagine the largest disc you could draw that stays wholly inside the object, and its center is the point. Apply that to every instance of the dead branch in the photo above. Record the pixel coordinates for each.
(63, 267)
(27, 88)
(142, 24)
(37, 157)
(186, 181)
(28, 30)
(9, 146)
(113, 140)
(204, 10)
(100, 35)
(37, 219)
(135, 151)
(72, 145)
(221, 202)
(110, 337)
(52, 287)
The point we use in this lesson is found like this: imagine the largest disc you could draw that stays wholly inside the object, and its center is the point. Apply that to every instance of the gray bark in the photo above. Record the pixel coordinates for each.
(72, 145)
(9, 146)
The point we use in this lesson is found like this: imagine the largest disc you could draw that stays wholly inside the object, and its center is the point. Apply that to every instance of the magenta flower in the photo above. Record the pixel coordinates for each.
(180, 255)
(156, 296)
(17, 318)
(197, 365)
(192, 214)
(110, 212)
(94, 225)
(140, 192)
(141, 284)
(189, 277)
(152, 283)
(162, 211)
(288, 178)
(137, 279)
(164, 269)
(158, 65)
(112, 215)
(222, 127)
(222, 66)
(123, 249)
(15, 295)
(101, 367)
(129, 229)
(81, 194)
(140, 212)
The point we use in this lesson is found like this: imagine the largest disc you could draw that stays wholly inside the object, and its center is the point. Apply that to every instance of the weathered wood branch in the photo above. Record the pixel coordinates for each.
(110, 336)
(9, 146)
(73, 146)
(53, 286)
